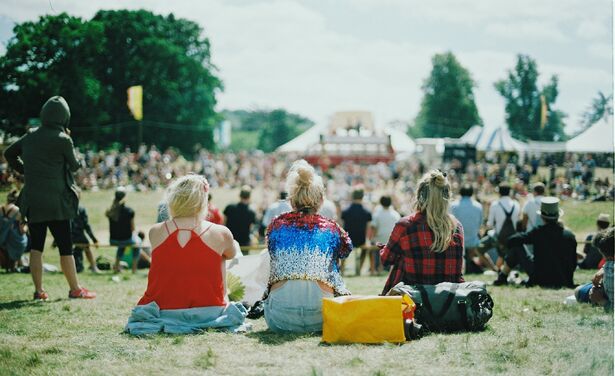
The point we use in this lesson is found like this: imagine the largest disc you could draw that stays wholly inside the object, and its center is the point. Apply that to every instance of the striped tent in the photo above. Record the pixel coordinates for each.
(493, 139)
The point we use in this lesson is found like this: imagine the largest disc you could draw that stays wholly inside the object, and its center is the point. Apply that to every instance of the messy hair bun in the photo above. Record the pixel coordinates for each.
(437, 178)
(305, 188)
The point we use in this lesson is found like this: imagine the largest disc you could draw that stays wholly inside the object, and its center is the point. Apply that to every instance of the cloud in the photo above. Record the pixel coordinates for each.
(523, 30)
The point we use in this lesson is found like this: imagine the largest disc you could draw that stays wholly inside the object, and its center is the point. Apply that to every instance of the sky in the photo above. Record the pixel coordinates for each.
(318, 57)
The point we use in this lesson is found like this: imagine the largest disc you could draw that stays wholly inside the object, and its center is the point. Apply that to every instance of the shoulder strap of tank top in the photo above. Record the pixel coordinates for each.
(167, 227)
(207, 229)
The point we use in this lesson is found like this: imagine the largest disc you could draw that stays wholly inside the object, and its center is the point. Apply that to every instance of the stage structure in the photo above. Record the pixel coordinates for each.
(349, 136)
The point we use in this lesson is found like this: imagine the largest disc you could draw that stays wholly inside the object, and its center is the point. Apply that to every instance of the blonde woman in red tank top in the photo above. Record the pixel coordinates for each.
(189, 253)
(186, 290)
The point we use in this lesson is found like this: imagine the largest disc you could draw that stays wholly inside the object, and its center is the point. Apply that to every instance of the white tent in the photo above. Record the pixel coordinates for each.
(596, 139)
(492, 139)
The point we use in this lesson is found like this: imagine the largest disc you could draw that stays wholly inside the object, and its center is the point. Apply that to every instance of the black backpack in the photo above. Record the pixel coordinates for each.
(508, 228)
(449, 307)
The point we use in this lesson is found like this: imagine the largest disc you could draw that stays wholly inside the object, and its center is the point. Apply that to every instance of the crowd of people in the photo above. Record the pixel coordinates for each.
(311, 218)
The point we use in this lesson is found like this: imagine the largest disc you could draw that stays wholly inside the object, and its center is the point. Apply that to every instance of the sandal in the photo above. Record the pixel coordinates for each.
(41, 296)
(82, 293)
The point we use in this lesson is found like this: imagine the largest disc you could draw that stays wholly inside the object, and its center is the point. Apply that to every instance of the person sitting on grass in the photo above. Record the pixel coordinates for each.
(426, 247)
(600, 290)
(593, 257)
(121, 229)
(80, 225)
(305, 250)
(186, 289)
(13, 238)
(554, 259)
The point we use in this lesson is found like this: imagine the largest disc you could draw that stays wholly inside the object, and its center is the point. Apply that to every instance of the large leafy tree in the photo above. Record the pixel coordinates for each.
(53, 56)
(93, 63)
(448, 108)
(524, 105)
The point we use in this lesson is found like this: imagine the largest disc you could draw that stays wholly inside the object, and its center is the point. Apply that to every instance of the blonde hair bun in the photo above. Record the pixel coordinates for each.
(305, 176)
(305, 188)
(438, 178)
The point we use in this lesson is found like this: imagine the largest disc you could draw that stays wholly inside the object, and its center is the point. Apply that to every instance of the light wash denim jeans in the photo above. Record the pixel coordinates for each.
(296, 307)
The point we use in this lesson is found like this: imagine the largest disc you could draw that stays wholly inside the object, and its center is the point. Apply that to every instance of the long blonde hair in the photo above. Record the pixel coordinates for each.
(187, 196)
(305, 188)
(433, 197)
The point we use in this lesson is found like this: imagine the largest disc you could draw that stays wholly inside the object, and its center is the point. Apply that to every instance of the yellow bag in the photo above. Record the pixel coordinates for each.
(364, 319)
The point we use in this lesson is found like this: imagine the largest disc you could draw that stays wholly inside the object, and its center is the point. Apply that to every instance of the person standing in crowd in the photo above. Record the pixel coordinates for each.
(530, 218)
(240, 217)
(121, 229)
(600, 290)
(470, 213)
(383, 221)
(328, 210)
(13, 238)
(49, 198)
(186, 282)
(279, 207)
(213, 213)
(502, 220)
(305, 250)
(554, 259)
(80, 225)
(593, 257)
(356, 222)
(426, 247)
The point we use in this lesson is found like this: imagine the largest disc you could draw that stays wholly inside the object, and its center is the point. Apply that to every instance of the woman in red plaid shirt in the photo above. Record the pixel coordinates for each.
(426, 247)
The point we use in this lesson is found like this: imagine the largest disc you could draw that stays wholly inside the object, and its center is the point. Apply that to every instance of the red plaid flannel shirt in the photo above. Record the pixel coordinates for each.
(408, 252)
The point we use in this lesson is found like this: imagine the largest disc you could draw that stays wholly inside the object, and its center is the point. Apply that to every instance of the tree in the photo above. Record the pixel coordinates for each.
(54, 56)
(601, 108)
(280, 127)
(448, 108)
(524, 105)
(93, 63)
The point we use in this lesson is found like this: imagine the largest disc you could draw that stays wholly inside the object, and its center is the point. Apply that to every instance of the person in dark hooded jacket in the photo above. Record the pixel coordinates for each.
(49, 198)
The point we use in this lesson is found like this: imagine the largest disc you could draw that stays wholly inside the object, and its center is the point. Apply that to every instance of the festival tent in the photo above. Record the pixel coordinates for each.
(596, 139)
(400, 141)
(492, 139)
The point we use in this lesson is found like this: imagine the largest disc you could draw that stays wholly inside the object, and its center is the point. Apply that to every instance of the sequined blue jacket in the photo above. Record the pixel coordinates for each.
(308, 247)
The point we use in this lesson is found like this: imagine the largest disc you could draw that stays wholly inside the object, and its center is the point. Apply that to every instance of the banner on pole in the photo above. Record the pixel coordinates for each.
(135, 101)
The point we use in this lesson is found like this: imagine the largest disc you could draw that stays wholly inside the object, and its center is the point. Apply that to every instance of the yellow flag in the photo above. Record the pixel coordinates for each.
(543, 111)
(135, 101)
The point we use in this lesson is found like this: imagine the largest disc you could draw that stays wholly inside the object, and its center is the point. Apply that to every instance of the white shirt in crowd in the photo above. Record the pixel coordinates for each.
(275, 209)
(532, 205)
(496, 212)
(328, 210)
(383, 220)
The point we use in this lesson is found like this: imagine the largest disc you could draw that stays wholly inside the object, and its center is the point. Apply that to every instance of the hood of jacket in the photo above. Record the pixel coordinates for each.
(55, 113)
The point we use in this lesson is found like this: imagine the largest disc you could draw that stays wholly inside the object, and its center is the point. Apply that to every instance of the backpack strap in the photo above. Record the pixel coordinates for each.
(512, 209)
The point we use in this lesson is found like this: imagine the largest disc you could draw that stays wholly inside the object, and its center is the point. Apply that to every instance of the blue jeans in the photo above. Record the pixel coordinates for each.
(296, 306)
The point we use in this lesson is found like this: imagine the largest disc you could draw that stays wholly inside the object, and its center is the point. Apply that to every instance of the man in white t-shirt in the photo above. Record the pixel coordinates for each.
(496, 218)
(530, 219)
(384, 219)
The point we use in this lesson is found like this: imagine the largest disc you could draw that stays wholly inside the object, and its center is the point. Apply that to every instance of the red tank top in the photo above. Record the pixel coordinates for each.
(185, 277)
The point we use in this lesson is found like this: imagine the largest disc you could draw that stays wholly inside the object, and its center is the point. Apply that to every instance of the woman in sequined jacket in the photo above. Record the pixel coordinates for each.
(305, 250)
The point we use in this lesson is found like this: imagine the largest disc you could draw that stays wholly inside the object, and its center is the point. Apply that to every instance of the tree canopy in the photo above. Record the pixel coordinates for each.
(448, 108)
(601, 108)
(265, 129)
(92, 63)
(524, 105)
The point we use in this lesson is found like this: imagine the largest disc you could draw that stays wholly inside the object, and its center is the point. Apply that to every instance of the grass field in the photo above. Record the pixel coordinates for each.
(532, 331)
